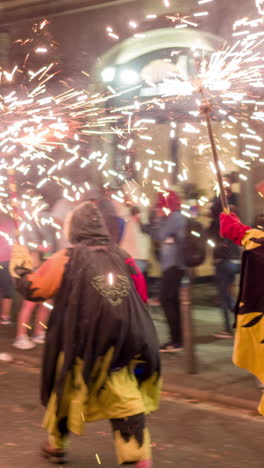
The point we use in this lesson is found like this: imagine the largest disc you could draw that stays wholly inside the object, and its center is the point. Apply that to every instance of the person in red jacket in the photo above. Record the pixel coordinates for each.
(101, 358)
(249, 327)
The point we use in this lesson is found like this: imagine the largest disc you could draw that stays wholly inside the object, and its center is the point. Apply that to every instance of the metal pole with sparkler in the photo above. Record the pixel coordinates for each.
(206, 112)
(190, 362)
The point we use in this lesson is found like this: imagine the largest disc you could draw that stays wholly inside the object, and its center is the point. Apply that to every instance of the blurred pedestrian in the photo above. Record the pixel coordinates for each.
(134, 241)
(42, 243)
(101, 356)
(169, 229)
(59, 211)
(6, 284)
(114, 222)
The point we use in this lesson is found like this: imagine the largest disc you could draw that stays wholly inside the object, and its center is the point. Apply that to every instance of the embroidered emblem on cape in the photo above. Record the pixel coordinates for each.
(115, 292)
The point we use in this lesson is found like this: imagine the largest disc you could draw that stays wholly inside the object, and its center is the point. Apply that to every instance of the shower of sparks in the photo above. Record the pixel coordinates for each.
(43, 325)
(27, 326)
(179, 21)
(260, 6)
(37, 126)
(211, 243)
(230, 78)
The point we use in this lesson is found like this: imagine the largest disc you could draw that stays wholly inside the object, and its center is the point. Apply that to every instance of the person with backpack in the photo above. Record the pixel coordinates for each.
(171, 232)
(182, 245)
(101, 358)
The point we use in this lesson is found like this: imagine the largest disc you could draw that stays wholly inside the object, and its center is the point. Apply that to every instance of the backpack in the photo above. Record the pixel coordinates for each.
(194, 243)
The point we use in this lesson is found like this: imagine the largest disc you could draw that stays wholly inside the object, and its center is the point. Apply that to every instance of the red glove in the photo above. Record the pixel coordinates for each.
(232, 228)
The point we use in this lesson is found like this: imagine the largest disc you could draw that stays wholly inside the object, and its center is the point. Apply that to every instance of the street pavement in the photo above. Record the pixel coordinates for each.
(216, 379)
(206, 420)
(185, 434)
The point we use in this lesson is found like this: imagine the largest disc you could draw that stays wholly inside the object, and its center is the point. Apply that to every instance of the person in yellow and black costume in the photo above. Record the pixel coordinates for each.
(101, 358)
(249, 335)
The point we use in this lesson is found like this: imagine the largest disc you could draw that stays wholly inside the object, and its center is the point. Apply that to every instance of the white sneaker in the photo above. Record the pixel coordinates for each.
(6, 357)
(5, 321)
(39, 339)
(24, 342)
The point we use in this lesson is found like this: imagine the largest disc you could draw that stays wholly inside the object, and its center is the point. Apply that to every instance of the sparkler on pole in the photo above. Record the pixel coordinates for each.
(206, 112)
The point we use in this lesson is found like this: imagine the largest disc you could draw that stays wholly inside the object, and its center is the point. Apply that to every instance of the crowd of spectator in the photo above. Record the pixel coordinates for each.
(153, 237)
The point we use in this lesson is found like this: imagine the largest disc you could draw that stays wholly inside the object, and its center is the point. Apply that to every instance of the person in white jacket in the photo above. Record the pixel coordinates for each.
(134, 241)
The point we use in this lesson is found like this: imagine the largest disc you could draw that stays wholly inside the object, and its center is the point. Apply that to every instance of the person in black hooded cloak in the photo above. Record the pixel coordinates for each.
(101, 358)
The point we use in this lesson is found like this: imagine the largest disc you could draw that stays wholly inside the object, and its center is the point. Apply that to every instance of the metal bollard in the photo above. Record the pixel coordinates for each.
(190, 362)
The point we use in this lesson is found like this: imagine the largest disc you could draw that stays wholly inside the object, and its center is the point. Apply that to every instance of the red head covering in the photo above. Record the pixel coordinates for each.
(169, 200)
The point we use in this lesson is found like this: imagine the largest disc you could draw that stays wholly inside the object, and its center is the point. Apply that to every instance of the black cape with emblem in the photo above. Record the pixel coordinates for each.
(97, 308)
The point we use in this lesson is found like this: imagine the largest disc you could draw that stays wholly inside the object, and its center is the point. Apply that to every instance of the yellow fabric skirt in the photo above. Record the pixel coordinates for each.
(249, 349)
(117, 395)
